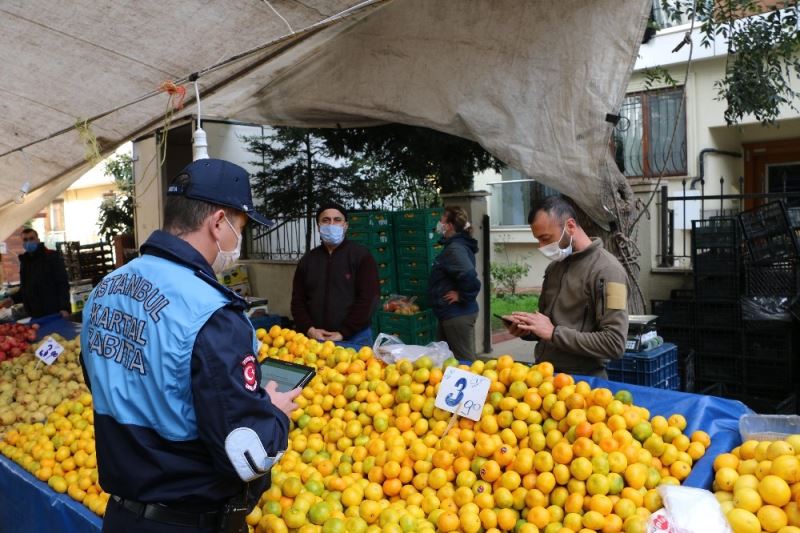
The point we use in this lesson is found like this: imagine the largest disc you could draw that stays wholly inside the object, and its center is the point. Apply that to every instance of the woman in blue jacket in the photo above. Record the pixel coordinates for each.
(454, 283)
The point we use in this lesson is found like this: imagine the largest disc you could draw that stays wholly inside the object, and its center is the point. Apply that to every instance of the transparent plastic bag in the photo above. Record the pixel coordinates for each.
(687, 510)
(390, 349)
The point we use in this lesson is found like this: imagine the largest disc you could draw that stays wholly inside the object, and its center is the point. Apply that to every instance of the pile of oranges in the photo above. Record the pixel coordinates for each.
(61, 451)
(369, 451)
(758, 485)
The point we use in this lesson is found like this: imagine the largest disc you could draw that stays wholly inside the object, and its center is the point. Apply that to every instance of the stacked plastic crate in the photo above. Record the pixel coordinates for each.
(676, 325)
(416, 245)
(373, 229)
(771, 283)
(716, 255)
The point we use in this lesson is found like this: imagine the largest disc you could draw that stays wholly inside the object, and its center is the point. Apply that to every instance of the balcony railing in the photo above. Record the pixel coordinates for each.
(285, 241)
(677, 212)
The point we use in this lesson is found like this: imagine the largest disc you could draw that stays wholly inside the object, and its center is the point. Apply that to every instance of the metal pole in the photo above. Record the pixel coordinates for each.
(487, 291)
(664, 223)
(683, 235)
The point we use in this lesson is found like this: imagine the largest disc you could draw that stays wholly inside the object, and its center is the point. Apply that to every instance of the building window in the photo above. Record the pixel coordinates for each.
(642, 137)
(57, 215)
(665, 20)
(514, 196)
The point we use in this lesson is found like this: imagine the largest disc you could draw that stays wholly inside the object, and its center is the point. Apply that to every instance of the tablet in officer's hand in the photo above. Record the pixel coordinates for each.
(287, 375)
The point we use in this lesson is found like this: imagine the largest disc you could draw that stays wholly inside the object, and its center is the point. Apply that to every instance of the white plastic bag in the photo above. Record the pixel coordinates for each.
(687, 510)
(390, 349)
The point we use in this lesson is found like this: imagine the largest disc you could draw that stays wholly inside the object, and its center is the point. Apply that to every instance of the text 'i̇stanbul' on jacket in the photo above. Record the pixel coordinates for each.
(124, 333)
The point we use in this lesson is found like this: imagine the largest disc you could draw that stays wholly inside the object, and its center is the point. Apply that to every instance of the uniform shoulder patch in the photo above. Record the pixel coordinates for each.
(616, 295)
(249, 372)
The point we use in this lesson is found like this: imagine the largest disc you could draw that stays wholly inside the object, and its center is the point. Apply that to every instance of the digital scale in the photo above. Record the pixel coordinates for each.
(641, 328)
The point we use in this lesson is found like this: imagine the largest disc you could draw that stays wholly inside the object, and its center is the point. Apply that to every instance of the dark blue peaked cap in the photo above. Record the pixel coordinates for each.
(219, 182)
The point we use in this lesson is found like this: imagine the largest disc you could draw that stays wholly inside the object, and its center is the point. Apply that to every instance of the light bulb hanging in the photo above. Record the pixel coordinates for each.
(199, 139)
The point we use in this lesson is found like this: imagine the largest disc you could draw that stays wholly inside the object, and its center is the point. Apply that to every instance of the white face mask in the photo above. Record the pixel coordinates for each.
(440, 229)
(226, 260)
(552, 250)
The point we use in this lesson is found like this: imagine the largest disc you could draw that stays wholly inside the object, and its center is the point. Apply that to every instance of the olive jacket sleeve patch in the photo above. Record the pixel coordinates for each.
(616, 295)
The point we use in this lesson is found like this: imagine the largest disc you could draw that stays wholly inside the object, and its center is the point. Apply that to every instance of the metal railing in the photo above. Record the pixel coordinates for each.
(676, 214)
(285, 241)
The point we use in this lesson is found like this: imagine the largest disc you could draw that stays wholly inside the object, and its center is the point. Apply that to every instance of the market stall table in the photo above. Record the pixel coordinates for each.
(32, 506)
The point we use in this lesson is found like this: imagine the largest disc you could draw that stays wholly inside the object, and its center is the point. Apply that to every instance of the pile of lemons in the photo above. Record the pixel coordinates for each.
(758, 485)
(61, 451)
(369, 451)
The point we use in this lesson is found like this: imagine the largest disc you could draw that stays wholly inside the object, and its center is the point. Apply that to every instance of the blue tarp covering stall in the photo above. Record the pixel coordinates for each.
(56, 324)
(29, 505)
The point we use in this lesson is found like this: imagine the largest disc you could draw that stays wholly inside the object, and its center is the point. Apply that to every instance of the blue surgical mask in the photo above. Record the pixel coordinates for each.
(30, 246)
(332, 234)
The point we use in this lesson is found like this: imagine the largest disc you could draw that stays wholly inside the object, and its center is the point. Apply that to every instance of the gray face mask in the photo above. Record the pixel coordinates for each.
(553, 252)
(226, 259)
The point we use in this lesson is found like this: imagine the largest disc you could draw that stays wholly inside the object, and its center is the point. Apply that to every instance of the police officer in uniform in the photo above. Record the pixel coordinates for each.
(186, 435)
(582, 320)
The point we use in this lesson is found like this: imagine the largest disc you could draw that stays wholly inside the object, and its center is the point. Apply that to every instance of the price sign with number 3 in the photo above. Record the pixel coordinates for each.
(49, 350)
(462, 393)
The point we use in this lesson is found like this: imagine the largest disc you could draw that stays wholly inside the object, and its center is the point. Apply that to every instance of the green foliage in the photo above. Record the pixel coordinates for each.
(116, 211)
(506, 304)
(421, 158)
(297, 171)
(658, 76)
(384, 167)
(762, 52)
(506, 276)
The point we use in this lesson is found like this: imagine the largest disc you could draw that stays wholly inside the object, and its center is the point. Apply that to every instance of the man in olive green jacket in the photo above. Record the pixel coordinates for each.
(582, 320)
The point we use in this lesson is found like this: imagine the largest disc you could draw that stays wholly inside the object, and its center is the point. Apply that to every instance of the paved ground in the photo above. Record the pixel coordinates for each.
(506, 344)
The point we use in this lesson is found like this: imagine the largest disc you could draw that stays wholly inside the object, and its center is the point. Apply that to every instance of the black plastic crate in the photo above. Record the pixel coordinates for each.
(716, 263)
(717, 287)
(680, 336)
(681, 294)
(769, 378)
(768, 233)
(686, 370)
(715, 233)
(769, 342)
(782, 406)
(776, 279)
(718, 366)
(673, 312)
(726, 314)
(719, 341)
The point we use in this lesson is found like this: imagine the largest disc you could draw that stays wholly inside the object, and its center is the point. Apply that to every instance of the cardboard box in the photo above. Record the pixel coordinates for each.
(242, 289)
(78, 294)
(233, 276)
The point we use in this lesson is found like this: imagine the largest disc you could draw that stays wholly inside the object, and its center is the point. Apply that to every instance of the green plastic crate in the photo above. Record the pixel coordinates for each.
(426, 218)
(416, 266)
(423, 251)
(412, 329)
(415, 235)
(371, 238)
(412, 282)
(383, 253)
(386, 269)
(363, 220)
(387, 285)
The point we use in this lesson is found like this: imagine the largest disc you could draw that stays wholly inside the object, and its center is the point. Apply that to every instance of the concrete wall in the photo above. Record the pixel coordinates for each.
(81, 212)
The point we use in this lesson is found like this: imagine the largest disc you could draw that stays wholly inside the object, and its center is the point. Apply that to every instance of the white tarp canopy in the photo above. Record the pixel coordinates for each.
(530, 80)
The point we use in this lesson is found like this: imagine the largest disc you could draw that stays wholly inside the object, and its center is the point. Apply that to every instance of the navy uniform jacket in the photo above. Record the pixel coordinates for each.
(149, 449)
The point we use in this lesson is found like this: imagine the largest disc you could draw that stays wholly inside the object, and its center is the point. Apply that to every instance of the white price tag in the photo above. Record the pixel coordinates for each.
(462, 393)
(49, 350)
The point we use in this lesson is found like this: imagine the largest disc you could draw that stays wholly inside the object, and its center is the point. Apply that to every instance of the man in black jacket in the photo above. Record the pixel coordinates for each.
(335, 289)
(44, 288)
